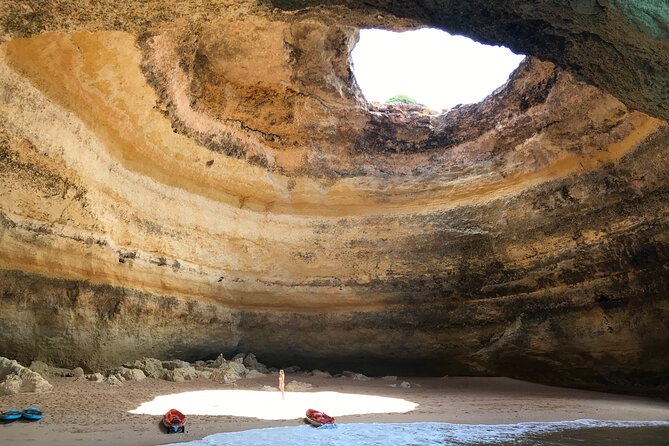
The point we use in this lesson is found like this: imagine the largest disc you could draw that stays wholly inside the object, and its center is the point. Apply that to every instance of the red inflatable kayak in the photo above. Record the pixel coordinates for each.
(318, 418)
(174, 421)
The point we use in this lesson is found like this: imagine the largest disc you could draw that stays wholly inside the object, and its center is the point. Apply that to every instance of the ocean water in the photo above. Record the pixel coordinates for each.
(563, 433)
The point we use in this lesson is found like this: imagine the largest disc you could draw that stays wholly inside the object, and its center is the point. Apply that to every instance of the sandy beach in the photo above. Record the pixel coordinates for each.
(83, 412)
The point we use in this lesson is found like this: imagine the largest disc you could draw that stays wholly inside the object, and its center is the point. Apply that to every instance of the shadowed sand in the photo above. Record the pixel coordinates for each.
(82, 412)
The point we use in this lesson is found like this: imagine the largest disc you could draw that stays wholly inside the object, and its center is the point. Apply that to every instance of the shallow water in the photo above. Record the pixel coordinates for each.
(564, 433)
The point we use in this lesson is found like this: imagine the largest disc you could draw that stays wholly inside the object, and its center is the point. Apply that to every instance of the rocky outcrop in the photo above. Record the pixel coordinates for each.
(14, 378)
(180, 180)
(221, 370)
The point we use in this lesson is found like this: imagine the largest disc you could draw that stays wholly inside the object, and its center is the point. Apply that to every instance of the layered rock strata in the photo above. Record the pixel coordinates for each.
(177, 187)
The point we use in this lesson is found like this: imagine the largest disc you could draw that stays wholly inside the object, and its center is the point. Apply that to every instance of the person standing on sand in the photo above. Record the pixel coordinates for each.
(281, 381)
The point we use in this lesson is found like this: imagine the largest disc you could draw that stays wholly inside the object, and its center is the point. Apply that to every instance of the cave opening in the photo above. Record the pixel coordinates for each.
(429, 66)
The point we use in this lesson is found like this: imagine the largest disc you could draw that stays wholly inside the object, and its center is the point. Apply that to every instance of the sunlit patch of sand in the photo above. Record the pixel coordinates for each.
(270, 406)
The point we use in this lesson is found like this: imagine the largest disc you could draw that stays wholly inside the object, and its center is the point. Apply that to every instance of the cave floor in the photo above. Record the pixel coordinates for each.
(83, 412)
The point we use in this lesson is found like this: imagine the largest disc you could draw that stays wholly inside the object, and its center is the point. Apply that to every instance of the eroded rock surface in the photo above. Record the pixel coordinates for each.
(182, 179)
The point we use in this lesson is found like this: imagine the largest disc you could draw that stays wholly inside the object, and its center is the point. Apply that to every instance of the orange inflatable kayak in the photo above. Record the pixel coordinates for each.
(174, 421)
(318, 418)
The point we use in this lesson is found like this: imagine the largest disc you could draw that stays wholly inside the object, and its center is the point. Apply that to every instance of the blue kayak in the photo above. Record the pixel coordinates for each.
(32, 413)
(10, 415)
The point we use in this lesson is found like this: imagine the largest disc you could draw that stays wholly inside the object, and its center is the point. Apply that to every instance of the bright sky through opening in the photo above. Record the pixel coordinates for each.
(431, 66)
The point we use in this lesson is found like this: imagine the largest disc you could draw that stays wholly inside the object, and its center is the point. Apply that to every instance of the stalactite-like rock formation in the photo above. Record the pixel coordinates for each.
(180, 180)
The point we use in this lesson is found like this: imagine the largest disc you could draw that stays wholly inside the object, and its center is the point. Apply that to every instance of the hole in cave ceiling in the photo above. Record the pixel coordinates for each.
(429, 66)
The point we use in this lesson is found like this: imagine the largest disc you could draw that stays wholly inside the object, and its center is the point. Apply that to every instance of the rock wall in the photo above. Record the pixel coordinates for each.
(179, 185)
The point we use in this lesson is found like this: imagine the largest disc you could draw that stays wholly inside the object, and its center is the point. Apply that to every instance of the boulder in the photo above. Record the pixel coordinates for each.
(229, 372)
(320, 374)
(113, 380)
(40, 367)
(239, 357)
(297, 386)
(131, 374)
(219, 361)
(175, 364)
(95, 377)
(11, 385)
(203, 369)
(181, 374)
(252, 363)
(356, 376)
(209, 365)
(254, 374)
(153, 368)
(78, 372)
(206, 374)
(46, 370)
(14, 378)
(405, 385)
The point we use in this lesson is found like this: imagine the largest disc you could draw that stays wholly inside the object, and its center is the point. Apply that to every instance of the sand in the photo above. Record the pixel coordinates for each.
(82, 412)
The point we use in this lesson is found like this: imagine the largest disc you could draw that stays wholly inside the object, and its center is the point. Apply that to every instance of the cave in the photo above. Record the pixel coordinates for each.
(184, 179)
